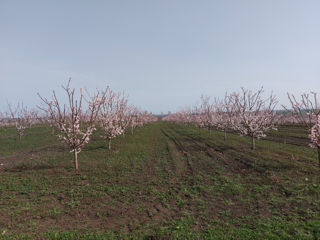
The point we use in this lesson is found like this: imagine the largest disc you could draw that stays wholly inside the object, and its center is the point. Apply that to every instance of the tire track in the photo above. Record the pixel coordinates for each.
(184, 152)
(237, 164)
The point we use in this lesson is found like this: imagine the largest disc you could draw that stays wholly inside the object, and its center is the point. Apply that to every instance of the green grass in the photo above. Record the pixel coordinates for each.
(167, 181)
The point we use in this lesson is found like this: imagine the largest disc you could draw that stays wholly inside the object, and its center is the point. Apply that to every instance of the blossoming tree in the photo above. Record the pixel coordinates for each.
(134, 118)
(306, 111)
(206, 113)
(74, 122)
(112, 116)
(21, 118)
(3, 120)
(225, 113)
(255, 114)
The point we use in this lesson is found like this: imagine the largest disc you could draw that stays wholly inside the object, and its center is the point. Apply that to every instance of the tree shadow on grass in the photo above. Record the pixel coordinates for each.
(38, 166)
(97, 147)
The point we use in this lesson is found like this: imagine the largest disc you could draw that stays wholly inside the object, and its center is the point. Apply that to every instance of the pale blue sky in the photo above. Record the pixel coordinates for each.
(164, 54)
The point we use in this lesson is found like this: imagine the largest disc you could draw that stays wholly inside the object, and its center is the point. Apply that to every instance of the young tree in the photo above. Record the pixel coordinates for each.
(134, 120)
(306, 111)
(206, 113)
(146, 117)
(75, 123)
(34, 117)
(112, 117)
(2, 119)
(225, 113)
(47, 121)
(255, 114)
(21, 117)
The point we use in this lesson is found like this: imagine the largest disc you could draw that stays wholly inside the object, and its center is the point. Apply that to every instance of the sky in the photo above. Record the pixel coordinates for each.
(162, 53)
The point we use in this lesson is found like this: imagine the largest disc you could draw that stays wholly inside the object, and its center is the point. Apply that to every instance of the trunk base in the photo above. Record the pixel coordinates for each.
(253, 144)
(318, 164)
(76, 160)
(109, 144)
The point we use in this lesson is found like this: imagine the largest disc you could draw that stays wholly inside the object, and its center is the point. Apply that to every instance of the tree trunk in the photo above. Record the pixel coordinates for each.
(109, 144)
(132, 130)
(225, 134)
(253, 145)
(318, 164)
(75, 159)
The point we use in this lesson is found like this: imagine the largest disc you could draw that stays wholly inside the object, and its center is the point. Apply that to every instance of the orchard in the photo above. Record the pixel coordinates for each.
(91, 165)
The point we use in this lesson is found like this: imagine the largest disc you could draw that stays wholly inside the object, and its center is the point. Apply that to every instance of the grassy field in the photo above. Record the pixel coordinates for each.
(167, 181)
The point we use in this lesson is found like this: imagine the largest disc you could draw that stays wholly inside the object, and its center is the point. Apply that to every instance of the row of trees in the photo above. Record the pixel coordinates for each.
(250, 114)
(245, 112)
(78, 118)
(20, 117)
